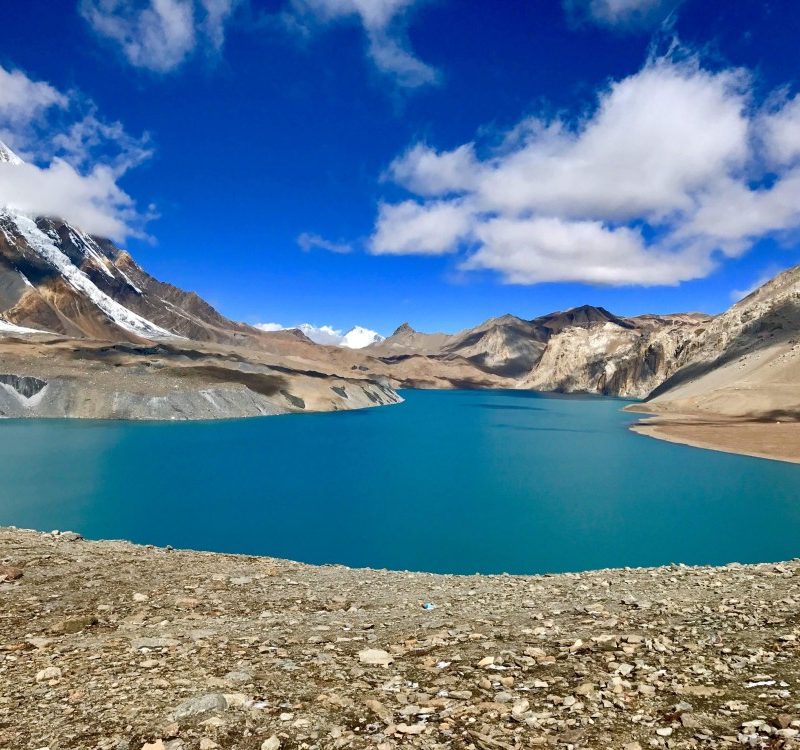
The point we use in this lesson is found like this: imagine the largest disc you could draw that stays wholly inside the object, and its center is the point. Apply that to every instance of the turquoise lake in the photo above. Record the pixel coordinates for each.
(449, 481)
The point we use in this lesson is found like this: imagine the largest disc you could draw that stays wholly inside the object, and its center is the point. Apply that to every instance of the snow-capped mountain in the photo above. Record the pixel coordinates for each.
(357, 337)
(58, 279)
(7, 156)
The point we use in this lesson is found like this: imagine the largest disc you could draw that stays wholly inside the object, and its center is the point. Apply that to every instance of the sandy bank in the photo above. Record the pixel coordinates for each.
(761, 438)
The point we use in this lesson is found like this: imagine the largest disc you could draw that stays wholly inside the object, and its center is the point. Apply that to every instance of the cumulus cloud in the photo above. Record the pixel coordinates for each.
(92, 201)
(412, 228)
(160, 35)
(625, 14)
(74, 158)
(308, 241)
(385, 27)
(675, 167)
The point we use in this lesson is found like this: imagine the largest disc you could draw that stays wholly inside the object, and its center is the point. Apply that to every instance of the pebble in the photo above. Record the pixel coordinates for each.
(200, 705)
(49, 673)
(375, 656)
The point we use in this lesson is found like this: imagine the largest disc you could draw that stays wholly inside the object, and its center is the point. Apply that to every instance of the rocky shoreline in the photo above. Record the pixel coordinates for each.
(114, 646)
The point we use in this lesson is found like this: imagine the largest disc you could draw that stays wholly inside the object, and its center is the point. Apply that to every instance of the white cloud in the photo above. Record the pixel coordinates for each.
(649, 187)
(528, 251)
(385, 26)
(307, 241)
(781, 132)
(411, 228)
(92, 201)
(81, 141)
(22, 101)
(356, 338)
(654, 137)
(74, 158)
(620, 13)
(160, 35)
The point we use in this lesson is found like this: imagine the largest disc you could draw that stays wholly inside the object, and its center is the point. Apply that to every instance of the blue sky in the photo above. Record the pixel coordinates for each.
(471, 158)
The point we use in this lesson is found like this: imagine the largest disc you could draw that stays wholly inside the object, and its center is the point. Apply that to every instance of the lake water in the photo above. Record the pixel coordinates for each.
(449, 481)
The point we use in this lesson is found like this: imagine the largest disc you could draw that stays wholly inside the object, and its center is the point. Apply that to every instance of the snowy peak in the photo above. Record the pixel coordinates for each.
(358, 337)
(40, 250)
(7, 156)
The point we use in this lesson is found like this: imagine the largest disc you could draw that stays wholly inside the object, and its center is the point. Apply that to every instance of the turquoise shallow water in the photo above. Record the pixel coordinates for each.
(449, 481)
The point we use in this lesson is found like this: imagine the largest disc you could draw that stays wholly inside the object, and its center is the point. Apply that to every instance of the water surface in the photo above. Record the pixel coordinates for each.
(449, 481)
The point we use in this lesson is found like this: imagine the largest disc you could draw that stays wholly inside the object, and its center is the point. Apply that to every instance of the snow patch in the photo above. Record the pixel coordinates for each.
(6, 327)
(44, 246)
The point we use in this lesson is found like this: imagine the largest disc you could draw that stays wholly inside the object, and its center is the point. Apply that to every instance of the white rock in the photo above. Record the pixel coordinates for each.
(376, 657)
(49, 673)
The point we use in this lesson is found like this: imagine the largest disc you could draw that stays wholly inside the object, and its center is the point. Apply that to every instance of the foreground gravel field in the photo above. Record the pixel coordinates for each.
(113, 646)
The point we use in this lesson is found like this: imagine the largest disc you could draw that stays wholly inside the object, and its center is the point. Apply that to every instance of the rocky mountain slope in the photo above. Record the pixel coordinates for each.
(586, 349)
(172, 355)
(738, 388)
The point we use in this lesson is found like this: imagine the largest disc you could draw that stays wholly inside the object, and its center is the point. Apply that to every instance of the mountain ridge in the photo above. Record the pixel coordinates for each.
(60, 286)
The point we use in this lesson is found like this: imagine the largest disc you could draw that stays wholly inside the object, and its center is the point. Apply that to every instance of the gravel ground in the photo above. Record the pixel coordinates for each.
(113, 646)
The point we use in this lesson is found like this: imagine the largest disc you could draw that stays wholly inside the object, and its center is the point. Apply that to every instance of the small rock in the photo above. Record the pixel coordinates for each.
(153, 643)
(239, 678)
(383, 713)
(10, 573)
(49, 673)
(74, 625)
(138, 597)
(273, 743)
(411, 728)
(199, 706)
(375, 657)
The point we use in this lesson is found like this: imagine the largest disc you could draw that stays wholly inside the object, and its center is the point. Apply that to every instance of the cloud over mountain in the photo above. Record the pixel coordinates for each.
(73, 159)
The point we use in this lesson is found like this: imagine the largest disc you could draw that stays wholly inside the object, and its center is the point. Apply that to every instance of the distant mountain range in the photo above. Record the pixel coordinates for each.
(107, 339)
(356, 338)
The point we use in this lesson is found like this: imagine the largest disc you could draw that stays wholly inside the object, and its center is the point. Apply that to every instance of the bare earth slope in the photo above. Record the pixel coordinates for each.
(740, 389)
(112, 646)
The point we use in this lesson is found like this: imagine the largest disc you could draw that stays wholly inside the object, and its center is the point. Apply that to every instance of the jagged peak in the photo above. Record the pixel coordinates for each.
(403, 328)
(7, 156)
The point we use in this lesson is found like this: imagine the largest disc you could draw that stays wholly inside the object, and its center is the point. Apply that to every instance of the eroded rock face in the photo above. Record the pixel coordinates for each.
(24, 385)
(587, 350)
